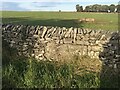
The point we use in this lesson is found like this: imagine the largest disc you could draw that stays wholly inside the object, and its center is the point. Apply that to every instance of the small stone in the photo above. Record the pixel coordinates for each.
(110, 65)
(42, 51)
(12, 41)
(44, 32)
(40, 58)
(36, 36)
(117, 56)
(37, 57)
(69, 31)
(11, 45)
(67, 40)
(115, 66)
(33, 55)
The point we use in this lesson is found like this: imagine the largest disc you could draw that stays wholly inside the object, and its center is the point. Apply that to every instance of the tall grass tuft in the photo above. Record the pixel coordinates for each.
(30, 73)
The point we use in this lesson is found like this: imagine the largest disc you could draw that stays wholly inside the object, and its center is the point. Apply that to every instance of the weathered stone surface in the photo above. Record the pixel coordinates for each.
(57, 43)
(68, 40)
(44, 32)
(68, 32)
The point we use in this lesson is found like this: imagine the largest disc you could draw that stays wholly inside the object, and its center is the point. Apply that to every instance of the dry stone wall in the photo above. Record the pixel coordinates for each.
(46, 42)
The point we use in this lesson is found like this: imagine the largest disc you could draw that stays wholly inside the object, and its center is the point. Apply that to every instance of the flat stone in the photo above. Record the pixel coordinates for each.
(68, 40)
(36, 36)
(95, 48)
(44, 32)
(12, 42)
(68, 33)
(82, 42)
(75, 32)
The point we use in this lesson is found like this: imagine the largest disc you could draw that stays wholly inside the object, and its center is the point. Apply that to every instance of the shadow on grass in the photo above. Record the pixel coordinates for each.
(44, 22)
(14, 20)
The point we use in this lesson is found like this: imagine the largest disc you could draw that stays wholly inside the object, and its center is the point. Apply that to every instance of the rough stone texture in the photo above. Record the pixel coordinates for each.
(58, 43)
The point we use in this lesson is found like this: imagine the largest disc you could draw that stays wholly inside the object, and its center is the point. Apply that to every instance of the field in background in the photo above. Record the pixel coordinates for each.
(104, 21)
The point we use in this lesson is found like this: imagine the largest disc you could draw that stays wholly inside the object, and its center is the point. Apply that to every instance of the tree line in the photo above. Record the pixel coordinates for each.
(98, 8)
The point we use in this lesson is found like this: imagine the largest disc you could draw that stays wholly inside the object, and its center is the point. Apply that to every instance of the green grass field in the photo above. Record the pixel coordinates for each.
(104, 21)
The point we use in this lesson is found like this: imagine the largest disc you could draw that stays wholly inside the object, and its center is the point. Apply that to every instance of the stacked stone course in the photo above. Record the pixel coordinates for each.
(45, 42)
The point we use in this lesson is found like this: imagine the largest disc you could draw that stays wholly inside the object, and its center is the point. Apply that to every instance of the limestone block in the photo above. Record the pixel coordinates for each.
(84, 50)
(96, 55)
(75, 34)
(25, 47)
(54, 30)
(92, 33)
(55, 38)
(33, 55)
(82, 42)
(36, 45)
(96, 48)
(35, 36)
(79, 37)
(57, 41)
(84, 31)
(48, 39)
(118, 56)
(12, 42)
(103, 37)
(44, 32)
(68, 33)
(68, 40)
(89, 31)
(28, 40)
(115, 66)
(79, 31)
(56, 33)
(92, 54)
(92, 41)
(97, 42)
(61, 41)
(59, 31)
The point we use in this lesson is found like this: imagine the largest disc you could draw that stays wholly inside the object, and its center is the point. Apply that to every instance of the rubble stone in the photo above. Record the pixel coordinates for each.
(56, 42)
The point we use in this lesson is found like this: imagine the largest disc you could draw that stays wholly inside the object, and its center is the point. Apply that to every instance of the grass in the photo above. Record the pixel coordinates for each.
(105, 21)
(28, 73)
(45, 74)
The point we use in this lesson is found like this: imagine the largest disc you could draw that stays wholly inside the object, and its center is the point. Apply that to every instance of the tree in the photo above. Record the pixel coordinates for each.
(86, 9)
(104, 8)
(90, 8)
(118, 8)
(96, 8)
(79, 8)
(59, 10)
(112, 8)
